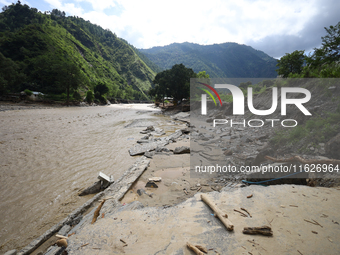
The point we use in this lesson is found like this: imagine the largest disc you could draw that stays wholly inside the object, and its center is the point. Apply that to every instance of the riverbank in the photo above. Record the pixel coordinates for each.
(175, 205)
(48, 155)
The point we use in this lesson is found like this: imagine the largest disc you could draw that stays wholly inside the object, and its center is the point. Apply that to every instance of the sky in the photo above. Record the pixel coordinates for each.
(275, 27)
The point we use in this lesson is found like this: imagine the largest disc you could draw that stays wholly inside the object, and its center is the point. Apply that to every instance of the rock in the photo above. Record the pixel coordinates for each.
(161, 149)
(174, 136)
(185, 130)
(246, 139)
(332, 147)
(267, 151)
(148, 130)
(219, 116)
(182, 150)
(228, 152)
(76, 220)
(62, 243)
(95, 188)
(54, 250)
(151, 184)
(11, 252)
(140, 191)
(209, 120)
(104, 182)
(64, 230)
(149, 154)
(140, 149)
(143, 141)
(263, 137)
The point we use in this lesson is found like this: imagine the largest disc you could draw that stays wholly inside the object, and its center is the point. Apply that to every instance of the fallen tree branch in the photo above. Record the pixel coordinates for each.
(222, 216)
(304, 161)
(246, 211)
(242, 214)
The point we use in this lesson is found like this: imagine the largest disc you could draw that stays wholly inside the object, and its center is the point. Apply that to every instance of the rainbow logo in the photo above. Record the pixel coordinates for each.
(213, 90)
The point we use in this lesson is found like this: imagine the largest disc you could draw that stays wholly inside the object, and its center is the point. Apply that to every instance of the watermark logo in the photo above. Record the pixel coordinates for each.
(238, 99)
(204, 97)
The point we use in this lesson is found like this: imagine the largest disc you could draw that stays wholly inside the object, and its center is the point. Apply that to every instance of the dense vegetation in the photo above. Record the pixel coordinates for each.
(55, 54)
(218, 60)
(322, 63)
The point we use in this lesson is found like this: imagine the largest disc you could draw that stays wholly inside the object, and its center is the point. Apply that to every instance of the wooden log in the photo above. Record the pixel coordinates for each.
(264, 230)
(61, 236)
(201, 248)
(194, 249)
(96, 212)
(222, 216)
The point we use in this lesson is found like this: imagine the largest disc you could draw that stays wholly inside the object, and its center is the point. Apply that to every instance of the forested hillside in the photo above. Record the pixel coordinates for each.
(52, 53)
(218, 60)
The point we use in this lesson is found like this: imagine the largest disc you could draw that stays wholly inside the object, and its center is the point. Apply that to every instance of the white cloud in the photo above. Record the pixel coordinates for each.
(162, 23)
(151, 23)
(100, 5)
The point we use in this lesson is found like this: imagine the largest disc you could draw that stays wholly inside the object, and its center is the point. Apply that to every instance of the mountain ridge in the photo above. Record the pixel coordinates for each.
(218, 60)
(36, 43)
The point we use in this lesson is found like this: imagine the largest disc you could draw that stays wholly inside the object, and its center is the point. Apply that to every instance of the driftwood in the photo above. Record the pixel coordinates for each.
(304, 161)
(61, 236)
(96, 212)
(264, 230)
(195, 249)
(222, 216)
(201, 248)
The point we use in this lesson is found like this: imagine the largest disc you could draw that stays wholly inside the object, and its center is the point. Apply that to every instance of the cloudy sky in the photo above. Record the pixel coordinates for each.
(273, 26)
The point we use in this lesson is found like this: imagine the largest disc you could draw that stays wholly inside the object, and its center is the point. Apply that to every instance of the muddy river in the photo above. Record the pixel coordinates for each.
(48, 155)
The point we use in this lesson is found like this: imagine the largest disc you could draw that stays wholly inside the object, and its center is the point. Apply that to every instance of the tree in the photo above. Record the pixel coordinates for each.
(330, 49)
(203, 74)
(174, 83)
(69, 77)
(291, 63)
(101, 88)
(10, 75)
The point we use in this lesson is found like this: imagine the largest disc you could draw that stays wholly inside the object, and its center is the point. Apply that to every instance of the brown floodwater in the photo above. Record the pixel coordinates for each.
(48, 155)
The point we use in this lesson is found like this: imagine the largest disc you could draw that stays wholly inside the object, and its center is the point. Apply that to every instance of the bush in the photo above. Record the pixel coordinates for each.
(89, 96)
(28, 92)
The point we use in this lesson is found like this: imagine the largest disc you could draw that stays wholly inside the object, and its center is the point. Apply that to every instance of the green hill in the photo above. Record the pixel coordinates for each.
(218, 60)
(39, 50)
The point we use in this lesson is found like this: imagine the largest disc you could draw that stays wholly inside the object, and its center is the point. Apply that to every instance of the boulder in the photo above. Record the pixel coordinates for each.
(332, 147)
(182, 150)
(140, 149)
(11, 252)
